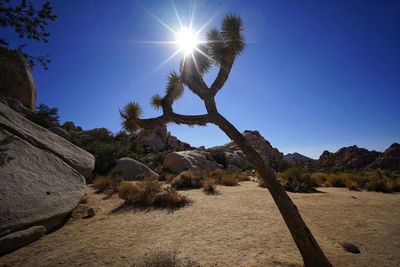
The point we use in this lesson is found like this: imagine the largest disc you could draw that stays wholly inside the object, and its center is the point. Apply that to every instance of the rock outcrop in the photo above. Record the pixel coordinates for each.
(389, 159)
(132, 169)
(178, 162)
(42, 175)
(16, 79)
(351, 157)
(230, 153)
(159, 139)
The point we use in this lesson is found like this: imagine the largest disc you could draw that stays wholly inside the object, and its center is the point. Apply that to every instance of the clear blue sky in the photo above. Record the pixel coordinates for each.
(316, 75)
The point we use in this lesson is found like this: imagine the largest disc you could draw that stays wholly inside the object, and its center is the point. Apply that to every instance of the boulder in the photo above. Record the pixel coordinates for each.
(159, 139)
(42, 138)
(132, 169)
(16, 79)
(42, 175)
(19, 239)
(178, 162)
(37, 187)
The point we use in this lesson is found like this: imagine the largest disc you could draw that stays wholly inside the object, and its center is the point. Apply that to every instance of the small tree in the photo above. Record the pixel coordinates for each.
(27, 22)
(222, 48)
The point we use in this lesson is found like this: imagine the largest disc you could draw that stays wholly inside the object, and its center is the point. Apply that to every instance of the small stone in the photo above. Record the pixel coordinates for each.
(349, 247)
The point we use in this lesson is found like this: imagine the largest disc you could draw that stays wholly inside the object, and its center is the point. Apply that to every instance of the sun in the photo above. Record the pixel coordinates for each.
(186, 40)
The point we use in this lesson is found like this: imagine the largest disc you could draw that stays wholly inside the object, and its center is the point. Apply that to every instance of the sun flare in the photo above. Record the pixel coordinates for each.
(187, 40)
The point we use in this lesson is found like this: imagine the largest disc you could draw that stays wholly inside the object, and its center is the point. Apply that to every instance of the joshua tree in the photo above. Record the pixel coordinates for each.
(222, 47)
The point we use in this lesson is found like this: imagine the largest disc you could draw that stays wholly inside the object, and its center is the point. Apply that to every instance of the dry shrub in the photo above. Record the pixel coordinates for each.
(216, 174)
(380, 185)
(170, 199)
(352, 185)
(164, 259)
(150, 194)
(209, 186)
(336, 180)
(229, 180)
(188, 180)
(108, 184)
(319, 178)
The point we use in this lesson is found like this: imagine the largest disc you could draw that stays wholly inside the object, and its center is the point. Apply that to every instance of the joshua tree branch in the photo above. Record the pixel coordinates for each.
(223, 74)
(152, 123)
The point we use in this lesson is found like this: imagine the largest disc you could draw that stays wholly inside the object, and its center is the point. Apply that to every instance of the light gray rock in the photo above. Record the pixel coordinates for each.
(21, 238)
(16, 79)
(37, 187)
(131, 169)
(178, 162)
(40, 137)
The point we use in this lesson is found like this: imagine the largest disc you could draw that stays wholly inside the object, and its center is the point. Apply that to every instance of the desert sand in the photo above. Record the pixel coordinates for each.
(239, 227)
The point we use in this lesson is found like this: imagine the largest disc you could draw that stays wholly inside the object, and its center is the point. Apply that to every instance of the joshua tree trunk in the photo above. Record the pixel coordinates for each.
(302, 236)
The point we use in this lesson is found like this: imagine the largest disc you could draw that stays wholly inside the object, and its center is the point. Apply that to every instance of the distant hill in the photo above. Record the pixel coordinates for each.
(295, 157)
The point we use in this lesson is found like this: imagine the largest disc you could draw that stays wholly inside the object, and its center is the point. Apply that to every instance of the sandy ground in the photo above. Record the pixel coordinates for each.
(239, 227)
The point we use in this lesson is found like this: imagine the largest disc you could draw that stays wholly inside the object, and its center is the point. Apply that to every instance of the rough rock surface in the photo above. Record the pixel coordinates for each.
(16, 79)
(41, 175)
(178, 162)
(37, 187)
(160, 139)
(40, 137)
(21, 238)
(131, 169)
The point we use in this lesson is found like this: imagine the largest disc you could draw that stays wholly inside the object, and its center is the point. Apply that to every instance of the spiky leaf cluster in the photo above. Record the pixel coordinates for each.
(174, 88)
(216, 45)
(197, 63)
(156, 101)
(231, 32)
(130, 114)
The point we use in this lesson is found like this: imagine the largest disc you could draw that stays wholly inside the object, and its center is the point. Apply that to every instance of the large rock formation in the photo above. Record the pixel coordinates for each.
(42, 175)
(132, 169)
(159, 139)
(230, 153)
(177, 162)
(16, 79)
(351, 157)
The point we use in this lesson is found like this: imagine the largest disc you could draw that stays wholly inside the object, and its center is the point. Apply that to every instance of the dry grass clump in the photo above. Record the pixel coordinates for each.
(227, 178)
(188, 180)
(164, 259)
(150, 194)
(210, 186)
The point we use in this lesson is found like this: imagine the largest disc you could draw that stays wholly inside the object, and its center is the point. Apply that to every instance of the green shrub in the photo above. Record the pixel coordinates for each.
(164, 259)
